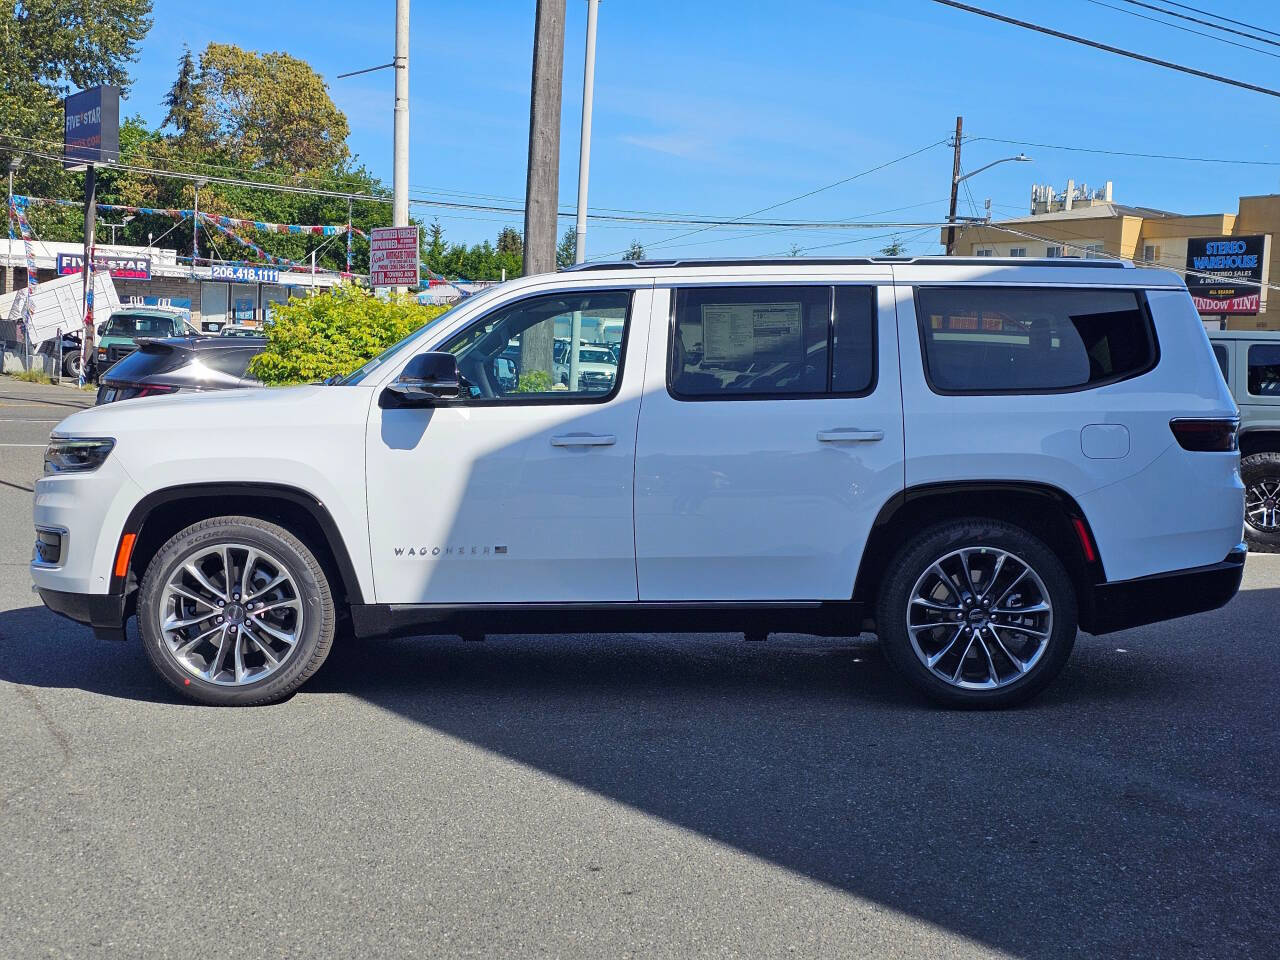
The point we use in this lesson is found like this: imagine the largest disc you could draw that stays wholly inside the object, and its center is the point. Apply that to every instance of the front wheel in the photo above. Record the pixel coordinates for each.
(1261, 475)
(235, 611)
(977, 613)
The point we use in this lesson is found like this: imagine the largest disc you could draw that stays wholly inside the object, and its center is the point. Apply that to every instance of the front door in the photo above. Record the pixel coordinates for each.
(521, 491)
(769, 439)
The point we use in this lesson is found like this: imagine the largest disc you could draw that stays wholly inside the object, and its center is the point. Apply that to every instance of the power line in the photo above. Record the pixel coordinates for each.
(1119, 51)
(1218, 16)
(803, 196)
(1207, 23)
(701, 223)
(1174, 26)
(1127, 153)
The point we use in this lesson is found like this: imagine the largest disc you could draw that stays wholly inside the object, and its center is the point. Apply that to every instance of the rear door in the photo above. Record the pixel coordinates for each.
(770, 436)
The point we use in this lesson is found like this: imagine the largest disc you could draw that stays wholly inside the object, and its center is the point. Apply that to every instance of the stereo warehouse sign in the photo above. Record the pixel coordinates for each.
(1228, 275)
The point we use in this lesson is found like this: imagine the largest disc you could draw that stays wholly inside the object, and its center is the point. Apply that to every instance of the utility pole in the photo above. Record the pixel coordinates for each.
(584, 175)
(195, 228)
(400, 173)
(87, 346)
(541, 195)
(8, 266)
(955, 186)
(584, 148)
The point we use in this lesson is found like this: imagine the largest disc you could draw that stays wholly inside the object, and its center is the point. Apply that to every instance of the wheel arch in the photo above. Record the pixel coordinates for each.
(162, 513)
(1259, 440)
(1045, 511)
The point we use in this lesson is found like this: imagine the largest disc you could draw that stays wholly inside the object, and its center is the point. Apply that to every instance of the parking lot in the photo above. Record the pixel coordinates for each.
(672, 796)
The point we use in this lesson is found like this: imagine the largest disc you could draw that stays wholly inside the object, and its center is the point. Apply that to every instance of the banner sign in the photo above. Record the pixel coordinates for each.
(393, 257)
(120, 268)
(91, 122)
(244, 273)
(1228, 275)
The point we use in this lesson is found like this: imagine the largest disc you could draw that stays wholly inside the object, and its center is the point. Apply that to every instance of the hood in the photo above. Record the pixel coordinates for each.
(251, 409)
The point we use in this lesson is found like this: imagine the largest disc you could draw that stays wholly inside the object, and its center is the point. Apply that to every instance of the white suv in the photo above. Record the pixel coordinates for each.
(972, 458)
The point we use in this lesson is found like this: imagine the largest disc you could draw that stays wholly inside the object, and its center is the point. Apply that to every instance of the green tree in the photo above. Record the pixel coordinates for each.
(635, 251)
(49, 48)
(436, 248)
(894, 248)
(567, 249)
(268, 109)
(183, 98)
(510, 241)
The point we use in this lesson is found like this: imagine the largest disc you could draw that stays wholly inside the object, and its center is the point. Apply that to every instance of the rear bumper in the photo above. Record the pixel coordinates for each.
(1164, 596)
(104, 612)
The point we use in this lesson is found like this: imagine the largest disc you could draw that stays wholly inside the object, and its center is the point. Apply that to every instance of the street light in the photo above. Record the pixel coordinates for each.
(115, 226)
(1020, 158)
(959, 178)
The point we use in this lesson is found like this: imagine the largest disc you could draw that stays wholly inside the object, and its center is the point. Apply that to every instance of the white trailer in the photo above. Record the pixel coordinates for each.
(57, 305)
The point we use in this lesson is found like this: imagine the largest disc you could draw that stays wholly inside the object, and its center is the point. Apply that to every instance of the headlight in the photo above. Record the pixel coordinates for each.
(76, 455)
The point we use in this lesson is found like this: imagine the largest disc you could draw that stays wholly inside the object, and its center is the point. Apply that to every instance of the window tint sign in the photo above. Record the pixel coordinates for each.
(1226, 275)
(91, 127)
(120, 268)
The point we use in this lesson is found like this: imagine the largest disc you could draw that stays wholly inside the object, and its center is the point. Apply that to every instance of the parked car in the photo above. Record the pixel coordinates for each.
(972, 458)
(181, 364)
(1250, 362)
(119, 336)
(597, 367)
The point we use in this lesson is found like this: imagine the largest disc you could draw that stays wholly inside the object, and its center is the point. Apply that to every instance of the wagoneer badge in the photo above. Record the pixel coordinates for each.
(472, 551)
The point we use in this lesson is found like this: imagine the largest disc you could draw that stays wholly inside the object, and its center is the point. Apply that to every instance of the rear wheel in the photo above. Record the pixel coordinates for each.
(1261, 475)
(977, 613)
(71, 365)
(235, 611)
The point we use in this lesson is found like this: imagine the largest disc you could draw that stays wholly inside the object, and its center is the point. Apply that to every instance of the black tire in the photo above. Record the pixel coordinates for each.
(918, 556)
(1254, 469)
(318, 622)
(71, 366)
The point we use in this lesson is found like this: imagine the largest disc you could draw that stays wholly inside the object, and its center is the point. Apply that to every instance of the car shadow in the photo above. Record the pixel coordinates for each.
(1113, 815)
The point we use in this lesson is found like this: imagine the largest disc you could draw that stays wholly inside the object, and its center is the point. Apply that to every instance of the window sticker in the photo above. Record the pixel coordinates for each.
(747, 332)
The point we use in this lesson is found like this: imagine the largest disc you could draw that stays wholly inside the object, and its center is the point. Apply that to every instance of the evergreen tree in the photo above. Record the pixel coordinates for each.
(567, 250)
(183, 99)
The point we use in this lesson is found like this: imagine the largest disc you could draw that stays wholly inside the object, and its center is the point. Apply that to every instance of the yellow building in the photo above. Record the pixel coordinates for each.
(1080, 224)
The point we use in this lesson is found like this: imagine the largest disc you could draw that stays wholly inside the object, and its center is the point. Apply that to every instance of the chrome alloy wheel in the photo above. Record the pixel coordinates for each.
(231, 614)
(979, 618)
(1262, 505)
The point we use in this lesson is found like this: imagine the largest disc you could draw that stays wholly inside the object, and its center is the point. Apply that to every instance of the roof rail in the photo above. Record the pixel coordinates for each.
(1097, 264)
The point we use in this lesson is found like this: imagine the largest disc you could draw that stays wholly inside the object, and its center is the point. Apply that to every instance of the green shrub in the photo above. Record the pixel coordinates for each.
(314, 338)
(535, 381)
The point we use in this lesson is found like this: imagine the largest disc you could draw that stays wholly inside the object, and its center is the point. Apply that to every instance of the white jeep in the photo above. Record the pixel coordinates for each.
(972, 458)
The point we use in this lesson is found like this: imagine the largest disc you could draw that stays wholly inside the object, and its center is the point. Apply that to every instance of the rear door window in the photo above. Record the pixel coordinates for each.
(1023, 340)
(1264, 370)
(772, 342)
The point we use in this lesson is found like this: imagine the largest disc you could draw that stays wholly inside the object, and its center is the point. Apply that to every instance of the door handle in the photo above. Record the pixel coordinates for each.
(849, 435)
(584, 440)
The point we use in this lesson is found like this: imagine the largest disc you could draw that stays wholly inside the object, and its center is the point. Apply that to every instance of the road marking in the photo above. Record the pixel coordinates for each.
(24, 420)
(23, 444)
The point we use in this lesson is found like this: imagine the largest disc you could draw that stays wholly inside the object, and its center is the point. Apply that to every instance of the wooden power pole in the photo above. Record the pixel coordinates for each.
(955, 185)
(542, 188)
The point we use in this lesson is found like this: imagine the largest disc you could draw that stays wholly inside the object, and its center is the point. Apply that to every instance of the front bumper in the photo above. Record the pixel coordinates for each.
(1164, 596)
(105, 612)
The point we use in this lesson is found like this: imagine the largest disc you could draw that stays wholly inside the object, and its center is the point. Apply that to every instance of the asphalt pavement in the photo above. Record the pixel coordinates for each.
(618, 796)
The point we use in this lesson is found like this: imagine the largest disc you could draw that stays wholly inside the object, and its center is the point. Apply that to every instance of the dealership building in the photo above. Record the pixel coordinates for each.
(213, 295)
(1227, 258)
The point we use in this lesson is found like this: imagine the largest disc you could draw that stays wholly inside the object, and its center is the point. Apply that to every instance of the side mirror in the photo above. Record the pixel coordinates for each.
(426, 379)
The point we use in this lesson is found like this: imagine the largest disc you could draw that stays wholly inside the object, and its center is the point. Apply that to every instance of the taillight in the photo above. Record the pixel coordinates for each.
(151, 391)
(1210, 435)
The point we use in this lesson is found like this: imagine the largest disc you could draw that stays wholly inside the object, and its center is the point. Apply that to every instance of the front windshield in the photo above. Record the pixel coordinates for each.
(358, 375)
(139, 325)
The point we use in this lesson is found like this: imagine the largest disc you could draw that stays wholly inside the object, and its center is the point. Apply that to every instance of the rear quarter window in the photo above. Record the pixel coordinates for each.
(1032, 340)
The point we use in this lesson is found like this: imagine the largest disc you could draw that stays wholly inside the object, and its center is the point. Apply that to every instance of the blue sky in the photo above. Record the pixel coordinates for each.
(722, 107)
